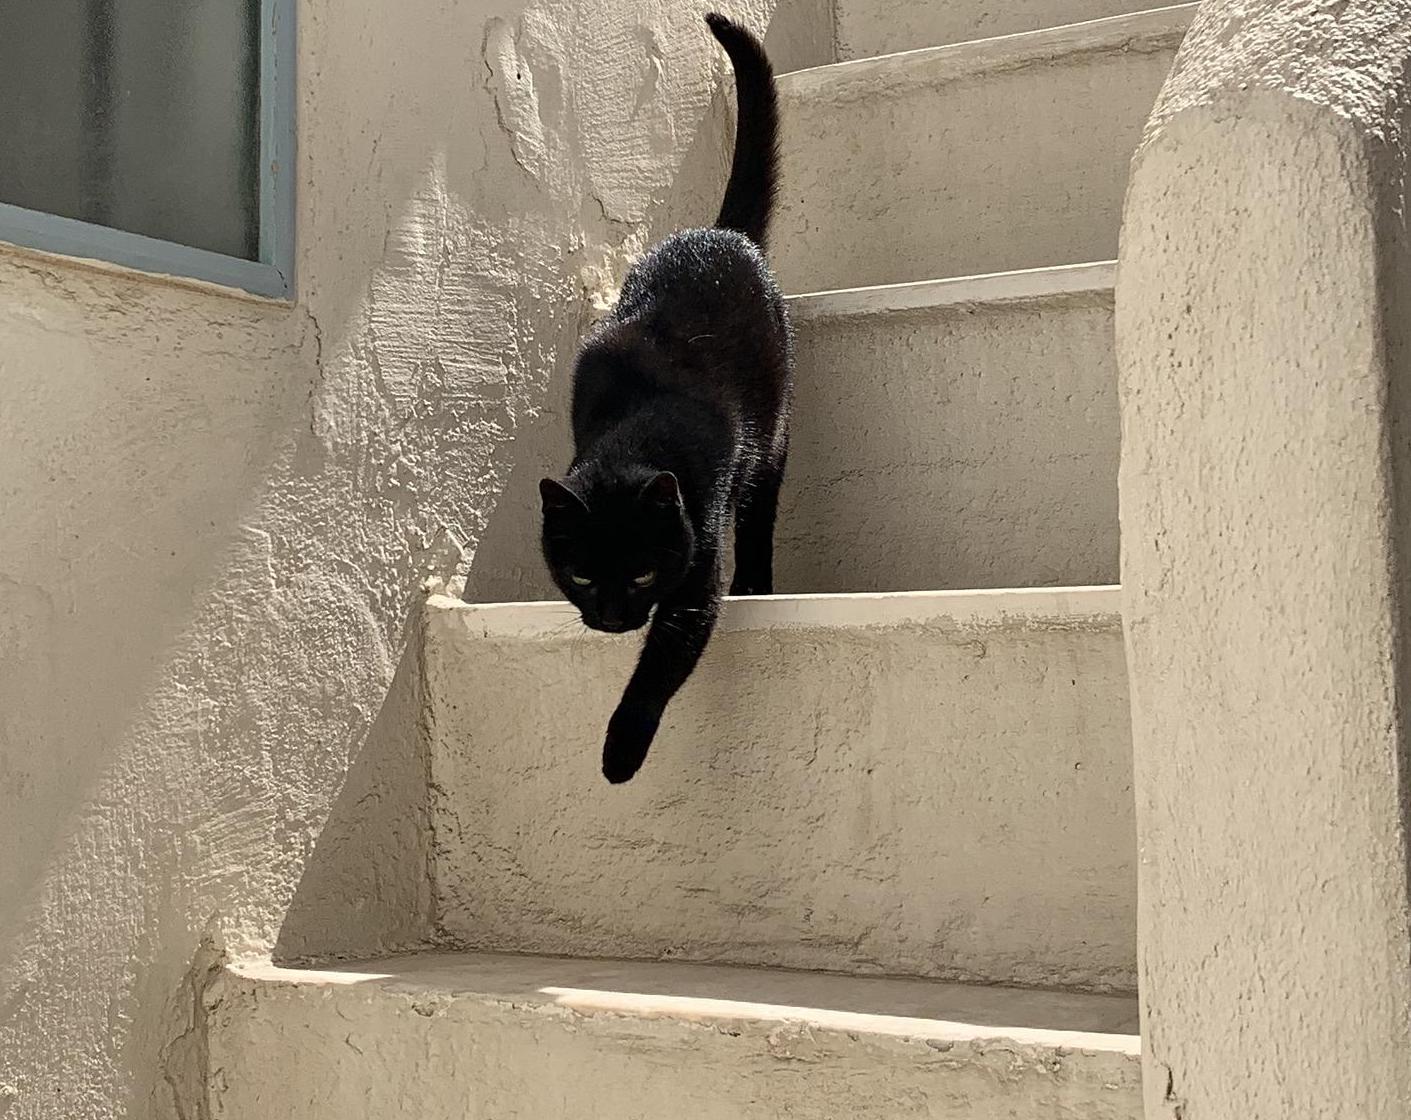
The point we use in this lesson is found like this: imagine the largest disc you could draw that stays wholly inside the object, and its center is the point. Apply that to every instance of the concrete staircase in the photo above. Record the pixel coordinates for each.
(881, 862)
(848, 785)
(958, 433)
(973, 158)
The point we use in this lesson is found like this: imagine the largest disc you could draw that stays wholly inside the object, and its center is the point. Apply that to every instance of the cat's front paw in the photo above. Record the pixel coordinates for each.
(630, 734)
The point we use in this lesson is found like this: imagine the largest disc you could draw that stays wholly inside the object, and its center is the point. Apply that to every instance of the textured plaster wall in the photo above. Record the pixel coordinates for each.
(218, 511)
(1262, 316)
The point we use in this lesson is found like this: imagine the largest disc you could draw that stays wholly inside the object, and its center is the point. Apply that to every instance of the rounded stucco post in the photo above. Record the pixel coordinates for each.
(1263, 306)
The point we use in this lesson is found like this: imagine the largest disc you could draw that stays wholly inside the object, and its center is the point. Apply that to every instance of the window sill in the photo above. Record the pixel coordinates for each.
(29, 233)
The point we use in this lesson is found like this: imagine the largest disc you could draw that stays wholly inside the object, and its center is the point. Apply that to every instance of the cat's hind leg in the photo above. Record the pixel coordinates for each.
(756, 509)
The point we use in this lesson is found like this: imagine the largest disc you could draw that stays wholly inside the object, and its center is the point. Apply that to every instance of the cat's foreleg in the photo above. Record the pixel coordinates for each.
(678, 635)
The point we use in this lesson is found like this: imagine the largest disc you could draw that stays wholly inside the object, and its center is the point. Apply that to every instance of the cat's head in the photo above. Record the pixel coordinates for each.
(616, 547)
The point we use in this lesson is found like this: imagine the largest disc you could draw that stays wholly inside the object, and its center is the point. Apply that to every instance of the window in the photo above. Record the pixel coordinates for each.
(152, 134)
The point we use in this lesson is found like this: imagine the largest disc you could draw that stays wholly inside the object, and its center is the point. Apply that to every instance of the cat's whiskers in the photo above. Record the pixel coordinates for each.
(568, 625)
(675, 630)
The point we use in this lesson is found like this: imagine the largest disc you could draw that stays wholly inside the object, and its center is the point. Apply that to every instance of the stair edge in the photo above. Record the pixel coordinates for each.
(1093, 278)
(1063, 607)
(1153, 29)
(392, 978)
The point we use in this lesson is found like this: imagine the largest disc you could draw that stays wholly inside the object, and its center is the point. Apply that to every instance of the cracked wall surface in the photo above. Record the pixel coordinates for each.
(218, 511)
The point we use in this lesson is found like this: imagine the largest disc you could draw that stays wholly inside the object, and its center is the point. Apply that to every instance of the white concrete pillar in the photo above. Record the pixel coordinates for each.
(1263, 311)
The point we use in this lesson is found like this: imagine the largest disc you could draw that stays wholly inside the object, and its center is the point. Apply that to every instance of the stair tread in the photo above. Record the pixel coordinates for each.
(927, 1010)
(868, 28)
(990, 287)
(854, 611)
(977, 56)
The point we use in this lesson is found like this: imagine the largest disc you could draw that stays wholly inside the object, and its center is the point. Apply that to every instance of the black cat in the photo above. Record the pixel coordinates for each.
(680, 418)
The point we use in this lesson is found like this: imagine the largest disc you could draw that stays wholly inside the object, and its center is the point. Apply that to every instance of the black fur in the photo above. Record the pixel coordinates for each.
(680, 420)
(754, 174)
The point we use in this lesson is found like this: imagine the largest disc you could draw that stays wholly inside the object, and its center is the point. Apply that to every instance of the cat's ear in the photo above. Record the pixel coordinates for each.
(558, 498)
(663, 491)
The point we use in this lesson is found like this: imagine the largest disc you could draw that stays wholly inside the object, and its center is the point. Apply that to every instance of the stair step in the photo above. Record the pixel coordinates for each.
(448, 1036)
(954, 434)
(927, 784)
(867, 28)
(978, 157)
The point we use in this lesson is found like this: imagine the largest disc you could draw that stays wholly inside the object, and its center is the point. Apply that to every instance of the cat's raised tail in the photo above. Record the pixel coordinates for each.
(754, 172)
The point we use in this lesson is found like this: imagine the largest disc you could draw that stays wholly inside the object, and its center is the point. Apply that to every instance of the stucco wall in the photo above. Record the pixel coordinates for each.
(218, 511)
(1263, 307)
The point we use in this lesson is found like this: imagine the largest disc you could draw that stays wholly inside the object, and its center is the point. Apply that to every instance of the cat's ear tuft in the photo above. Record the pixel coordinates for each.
(558, 498)
(663, 491)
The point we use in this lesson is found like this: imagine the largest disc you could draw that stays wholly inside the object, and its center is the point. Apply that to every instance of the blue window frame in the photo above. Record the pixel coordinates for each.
(150, 135)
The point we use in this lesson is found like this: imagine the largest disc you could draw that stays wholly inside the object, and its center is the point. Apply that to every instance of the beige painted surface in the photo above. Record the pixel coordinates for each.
(801, 34)
(218, 511)
(866, 28)
(929, 784)
(954, 434)
(520, 1038)
(980, 157)
(1263, 311)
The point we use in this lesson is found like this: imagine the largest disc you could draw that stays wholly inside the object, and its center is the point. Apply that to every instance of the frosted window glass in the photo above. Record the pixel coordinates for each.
(142, 115)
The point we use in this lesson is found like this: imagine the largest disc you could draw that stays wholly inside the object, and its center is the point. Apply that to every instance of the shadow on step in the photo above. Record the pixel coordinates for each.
(365, 888)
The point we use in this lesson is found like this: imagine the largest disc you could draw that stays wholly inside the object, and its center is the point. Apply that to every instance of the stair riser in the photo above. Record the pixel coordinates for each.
(954, 447)
(954, 163)
(292, 1054)
(950, 799)
(867, 28)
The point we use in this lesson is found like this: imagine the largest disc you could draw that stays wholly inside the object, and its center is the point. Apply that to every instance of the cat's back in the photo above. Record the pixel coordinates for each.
(697, 276)
(699, 317)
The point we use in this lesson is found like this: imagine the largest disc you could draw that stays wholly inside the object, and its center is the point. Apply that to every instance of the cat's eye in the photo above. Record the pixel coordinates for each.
(646, 579)
(581, 581)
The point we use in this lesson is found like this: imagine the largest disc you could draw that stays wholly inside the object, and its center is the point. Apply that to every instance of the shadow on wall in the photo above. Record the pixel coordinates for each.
(365, 889)
(366, 886)
(1395, 270)
(221, 510)
(507, 565)
(129, 483)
